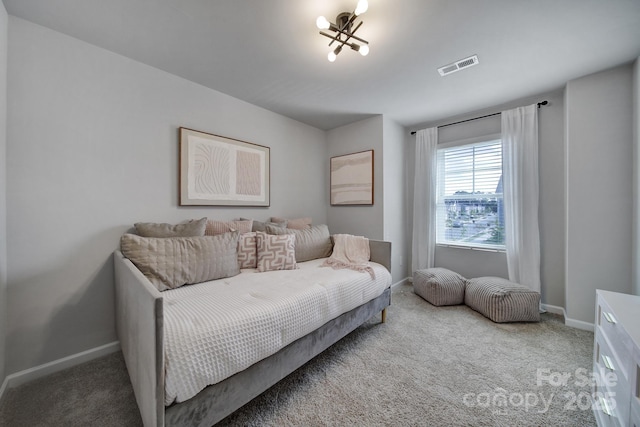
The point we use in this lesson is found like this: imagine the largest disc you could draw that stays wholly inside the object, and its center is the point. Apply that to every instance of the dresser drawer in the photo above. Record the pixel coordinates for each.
(605, 413)
(610, 383)
(621, 344)
(616, 350)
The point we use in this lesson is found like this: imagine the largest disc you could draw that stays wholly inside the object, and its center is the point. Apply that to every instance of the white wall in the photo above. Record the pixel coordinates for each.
(636, 178)
(3, 185)
(599, 170)
(93, 148)
(552, 199)
(385, 220)
(394, 209)
(358, 220)
(471, 263)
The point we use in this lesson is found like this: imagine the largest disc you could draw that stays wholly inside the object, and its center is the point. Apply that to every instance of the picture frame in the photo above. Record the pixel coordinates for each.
(220, 171)
(352, 181)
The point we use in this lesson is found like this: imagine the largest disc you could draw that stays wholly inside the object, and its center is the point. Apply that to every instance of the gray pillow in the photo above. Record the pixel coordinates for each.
(262, 226)
(172, 262)
(192, 228)
(311, 243)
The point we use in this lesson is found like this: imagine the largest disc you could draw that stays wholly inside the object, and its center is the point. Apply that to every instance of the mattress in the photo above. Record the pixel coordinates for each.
(214, 329)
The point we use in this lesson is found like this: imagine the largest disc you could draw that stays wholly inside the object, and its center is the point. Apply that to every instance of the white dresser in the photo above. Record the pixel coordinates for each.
(616, 359)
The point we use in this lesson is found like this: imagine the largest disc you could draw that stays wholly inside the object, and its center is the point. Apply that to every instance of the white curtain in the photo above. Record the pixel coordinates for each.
(520, 185)
(424, 199)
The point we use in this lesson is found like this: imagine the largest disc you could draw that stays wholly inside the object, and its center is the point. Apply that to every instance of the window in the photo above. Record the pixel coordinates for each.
(469, 200)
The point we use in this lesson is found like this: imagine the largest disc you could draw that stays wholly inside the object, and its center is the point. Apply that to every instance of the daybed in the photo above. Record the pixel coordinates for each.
(143, 325)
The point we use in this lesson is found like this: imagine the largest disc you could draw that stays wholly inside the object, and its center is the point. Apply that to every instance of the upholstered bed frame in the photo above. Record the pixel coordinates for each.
(139, 317)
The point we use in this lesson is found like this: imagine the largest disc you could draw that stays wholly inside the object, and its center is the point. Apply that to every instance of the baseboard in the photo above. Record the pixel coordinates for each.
(578, 324)
(553, 309)
(22, 377)
(401, 282)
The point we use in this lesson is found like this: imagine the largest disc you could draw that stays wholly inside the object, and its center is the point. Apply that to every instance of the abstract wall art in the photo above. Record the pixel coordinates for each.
(352, 179)
(220, 171)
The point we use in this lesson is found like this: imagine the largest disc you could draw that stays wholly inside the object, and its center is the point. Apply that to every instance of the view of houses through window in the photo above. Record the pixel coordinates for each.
(469, 201)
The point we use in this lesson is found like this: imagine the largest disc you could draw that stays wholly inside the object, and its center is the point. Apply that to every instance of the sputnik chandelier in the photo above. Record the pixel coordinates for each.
(344, 31)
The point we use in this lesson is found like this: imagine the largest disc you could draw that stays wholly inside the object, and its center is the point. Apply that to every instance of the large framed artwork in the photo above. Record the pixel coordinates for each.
(219, 171)
(352, 179)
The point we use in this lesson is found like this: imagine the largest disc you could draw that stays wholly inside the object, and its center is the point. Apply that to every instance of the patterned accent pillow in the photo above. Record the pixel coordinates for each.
(276, 252)
(220, 227)
(296, 223)
(247, 250)
(192, 228)
(171, 262)
(311, 243)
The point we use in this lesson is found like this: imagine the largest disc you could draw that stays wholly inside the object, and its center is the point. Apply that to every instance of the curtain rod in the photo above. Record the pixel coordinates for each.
(481, 117)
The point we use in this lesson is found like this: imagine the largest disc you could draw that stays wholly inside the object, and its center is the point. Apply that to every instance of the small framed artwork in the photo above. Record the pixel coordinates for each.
(352, 179)
(219, 171)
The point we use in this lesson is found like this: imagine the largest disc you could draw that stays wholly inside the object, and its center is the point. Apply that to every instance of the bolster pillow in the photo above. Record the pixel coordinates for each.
(172, 262)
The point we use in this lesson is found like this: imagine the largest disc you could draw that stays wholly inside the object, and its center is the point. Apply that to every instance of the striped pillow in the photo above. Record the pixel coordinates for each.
(220, 227)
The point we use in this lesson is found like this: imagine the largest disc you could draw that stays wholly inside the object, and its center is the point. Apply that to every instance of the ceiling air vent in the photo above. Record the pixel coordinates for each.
(458, 65)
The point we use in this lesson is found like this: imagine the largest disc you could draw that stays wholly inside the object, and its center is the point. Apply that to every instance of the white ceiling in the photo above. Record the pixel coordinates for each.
(269, 52)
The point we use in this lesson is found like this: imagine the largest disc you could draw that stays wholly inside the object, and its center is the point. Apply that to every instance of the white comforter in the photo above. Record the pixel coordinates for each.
(214, 329)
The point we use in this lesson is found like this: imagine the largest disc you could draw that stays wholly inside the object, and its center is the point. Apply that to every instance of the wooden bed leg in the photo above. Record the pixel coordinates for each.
(384, 315)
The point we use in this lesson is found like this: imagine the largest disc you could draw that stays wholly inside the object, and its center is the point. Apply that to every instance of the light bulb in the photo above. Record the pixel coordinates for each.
(332, 56)
(362, 7)
(322, 23)
(364, 50)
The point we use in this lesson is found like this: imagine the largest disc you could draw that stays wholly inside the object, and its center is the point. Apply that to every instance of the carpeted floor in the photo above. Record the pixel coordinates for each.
(427, 366)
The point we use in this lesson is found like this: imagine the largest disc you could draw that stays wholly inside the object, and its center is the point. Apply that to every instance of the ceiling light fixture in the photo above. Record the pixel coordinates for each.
(344, 31)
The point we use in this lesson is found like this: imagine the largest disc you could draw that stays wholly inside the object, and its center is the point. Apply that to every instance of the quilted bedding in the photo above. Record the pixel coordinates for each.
(214, 329)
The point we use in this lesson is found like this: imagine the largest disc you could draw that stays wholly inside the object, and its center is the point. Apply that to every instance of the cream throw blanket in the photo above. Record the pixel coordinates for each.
(350, 252)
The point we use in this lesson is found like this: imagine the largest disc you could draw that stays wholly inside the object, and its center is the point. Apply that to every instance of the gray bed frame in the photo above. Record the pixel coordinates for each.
(139, 322)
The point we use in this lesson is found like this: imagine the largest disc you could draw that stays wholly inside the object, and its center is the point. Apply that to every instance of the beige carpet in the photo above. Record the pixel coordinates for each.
(427, 366)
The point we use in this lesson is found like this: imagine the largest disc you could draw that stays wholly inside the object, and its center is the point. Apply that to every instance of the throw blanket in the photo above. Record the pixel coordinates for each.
(350, 252)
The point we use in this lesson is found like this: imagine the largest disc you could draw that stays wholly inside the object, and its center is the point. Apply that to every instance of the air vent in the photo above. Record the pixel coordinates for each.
(458, 65)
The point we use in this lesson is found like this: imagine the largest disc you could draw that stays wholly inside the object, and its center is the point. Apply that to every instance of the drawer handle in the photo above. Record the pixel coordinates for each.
(605, 406)
(608, 363)
(609, 317)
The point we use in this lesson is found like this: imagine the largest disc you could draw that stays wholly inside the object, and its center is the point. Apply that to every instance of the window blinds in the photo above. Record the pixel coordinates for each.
(469, 201)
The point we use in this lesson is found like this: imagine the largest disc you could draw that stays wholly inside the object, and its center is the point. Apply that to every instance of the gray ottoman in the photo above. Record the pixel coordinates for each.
(502, 301)
(439, 286)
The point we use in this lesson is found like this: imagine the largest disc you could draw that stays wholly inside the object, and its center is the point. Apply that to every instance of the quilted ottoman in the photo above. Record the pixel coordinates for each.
(502, 301)
(439, 286)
